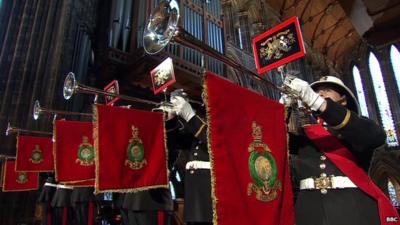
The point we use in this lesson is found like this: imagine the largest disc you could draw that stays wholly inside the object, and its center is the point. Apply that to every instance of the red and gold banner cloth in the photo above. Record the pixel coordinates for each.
(34, 154)
(18, 181)
(86, 183)
(74, 151)
(130, 150)
(249, 157)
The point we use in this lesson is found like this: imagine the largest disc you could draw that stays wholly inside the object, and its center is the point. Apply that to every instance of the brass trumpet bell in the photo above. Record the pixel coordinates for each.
(161, 26)
(69, 85)
(36, 110)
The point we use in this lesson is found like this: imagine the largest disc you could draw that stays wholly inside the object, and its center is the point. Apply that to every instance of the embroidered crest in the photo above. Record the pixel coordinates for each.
(22, 177)
(135, 151)
(36, 156)
(85, 153)
(262, 168)
(277, 45)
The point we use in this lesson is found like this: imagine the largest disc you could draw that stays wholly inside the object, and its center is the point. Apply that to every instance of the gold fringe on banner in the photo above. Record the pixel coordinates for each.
(55, 150)
(16, 159)
(4, 179)
(96, 146)
(213, 178)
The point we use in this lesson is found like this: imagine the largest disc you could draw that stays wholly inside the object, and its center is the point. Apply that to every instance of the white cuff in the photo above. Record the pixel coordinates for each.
(317, 103)
(189, 116)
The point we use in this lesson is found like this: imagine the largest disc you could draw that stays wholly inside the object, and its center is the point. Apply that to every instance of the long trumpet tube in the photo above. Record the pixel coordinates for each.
(11, 129)
(71, 86)
(184, 38)
(37, 110)
(162, 27)
(8, 156)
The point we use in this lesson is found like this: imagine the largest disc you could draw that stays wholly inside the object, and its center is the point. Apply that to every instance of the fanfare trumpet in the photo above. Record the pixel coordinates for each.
(162, 27)
(71, 86)
(7, 157)
(38, 110)
(11, 129)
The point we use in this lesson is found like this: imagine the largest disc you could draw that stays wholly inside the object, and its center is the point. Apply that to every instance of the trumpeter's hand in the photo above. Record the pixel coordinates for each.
(302, 89)
(182, 107)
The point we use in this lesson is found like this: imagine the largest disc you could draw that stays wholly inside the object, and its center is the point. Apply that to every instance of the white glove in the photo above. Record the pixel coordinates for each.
(164, 108)
(182, 107)
(303, 90)
(286, 100)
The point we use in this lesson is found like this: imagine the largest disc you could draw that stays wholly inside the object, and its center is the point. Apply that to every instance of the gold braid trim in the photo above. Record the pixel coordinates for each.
(4, 170)
(16, 153)
(96, 148)
(3, 174)
(213, 178)
(131, 190)
(76, 182)
(344, 122)
(165, 148)
(201, 128)
(41, 171)
(79, 186)
(55, 149)
(16, 160)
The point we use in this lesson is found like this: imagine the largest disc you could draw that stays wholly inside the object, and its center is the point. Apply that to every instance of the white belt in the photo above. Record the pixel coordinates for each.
(64, 186)
(197, 165)
(50, 184)
(326, 182)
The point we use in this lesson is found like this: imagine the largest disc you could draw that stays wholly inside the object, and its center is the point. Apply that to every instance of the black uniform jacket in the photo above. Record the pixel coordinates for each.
(82, 195)
(47, 193)
(197, 182)
(338, 206)
(148, 200)
(62, 198)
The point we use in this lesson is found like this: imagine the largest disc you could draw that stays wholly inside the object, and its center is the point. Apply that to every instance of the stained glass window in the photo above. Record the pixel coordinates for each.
(360, 91)
(383, 103)
(395, 58)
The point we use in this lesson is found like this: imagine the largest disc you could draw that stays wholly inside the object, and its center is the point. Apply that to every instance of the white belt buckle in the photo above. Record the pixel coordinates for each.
(197, 165)
(324, 182)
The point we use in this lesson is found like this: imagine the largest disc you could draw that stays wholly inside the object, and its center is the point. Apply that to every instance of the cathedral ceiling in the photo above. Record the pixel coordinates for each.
(335, 27)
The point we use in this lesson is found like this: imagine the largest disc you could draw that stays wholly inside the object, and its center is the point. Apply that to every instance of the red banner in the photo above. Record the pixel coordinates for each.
(73, 151)
(249, 157)
(34, 154)
(18, 181)
(130, 149)
(86, 183)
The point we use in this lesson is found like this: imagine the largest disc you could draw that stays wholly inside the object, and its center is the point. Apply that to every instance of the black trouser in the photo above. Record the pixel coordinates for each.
(81, 213)
(147, 218)
(57, 216)
(46, 207)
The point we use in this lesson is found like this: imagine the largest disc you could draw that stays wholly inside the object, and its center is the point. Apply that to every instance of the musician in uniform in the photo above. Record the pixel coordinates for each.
(82, 200)
(197, 181)
(61, 204)
(330, 162)
(149, 207)
(45, 198)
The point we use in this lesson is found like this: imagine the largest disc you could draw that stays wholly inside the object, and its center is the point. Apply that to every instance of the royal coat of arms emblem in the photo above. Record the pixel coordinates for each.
(36, 156)
(22, 177)
(85, 153)
(135, 151)
(262, 168)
